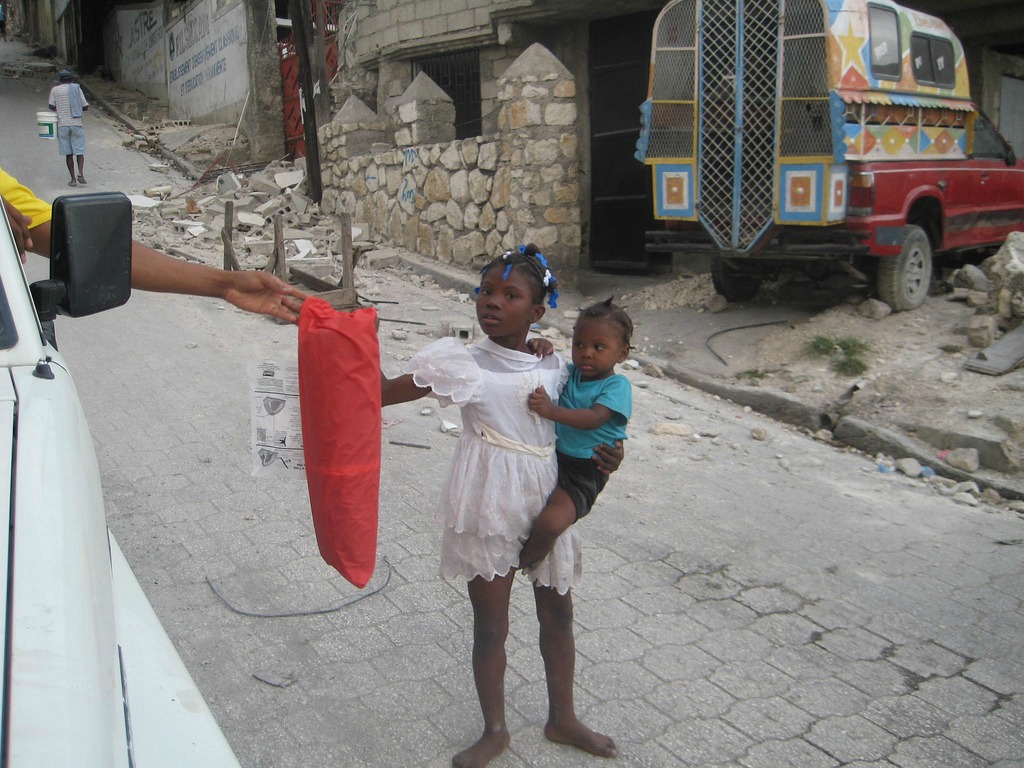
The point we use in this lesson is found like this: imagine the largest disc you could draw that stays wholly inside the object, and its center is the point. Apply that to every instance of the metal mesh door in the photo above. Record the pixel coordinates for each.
(739, 54)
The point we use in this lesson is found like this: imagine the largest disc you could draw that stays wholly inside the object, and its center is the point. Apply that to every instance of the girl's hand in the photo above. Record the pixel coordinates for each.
(540, 346)
(540, 403)
(608, 458)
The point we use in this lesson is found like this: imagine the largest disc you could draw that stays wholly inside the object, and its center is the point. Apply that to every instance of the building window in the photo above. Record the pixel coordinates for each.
(458, 75)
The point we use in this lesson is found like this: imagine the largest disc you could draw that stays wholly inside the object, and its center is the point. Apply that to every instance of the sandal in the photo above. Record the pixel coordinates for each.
(72, 183)
(81, 179)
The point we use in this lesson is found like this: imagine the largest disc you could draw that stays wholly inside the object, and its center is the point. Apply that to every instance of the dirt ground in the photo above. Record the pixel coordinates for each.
(914, 381)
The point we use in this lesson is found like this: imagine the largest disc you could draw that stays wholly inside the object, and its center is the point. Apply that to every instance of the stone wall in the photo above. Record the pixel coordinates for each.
(465, 201)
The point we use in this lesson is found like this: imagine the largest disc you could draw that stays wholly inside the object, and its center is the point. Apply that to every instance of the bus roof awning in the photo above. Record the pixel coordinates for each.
(904, 99)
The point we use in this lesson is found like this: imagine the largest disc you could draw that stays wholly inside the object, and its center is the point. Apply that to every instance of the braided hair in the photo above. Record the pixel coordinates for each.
(610, 312)
(531, 262)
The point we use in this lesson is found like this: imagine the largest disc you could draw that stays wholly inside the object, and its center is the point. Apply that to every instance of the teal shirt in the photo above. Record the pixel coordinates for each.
(614, 393)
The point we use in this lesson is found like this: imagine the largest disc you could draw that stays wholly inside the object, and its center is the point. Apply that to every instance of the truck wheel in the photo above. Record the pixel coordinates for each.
(732, 283)
(904, 280)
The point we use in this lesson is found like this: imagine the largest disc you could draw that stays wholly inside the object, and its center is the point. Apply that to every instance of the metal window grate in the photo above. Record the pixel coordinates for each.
(458, 75)
(806, 118)
(739, 97)
(803, 17)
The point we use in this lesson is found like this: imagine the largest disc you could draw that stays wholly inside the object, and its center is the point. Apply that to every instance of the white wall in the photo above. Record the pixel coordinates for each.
(207, 69)
(136, 34)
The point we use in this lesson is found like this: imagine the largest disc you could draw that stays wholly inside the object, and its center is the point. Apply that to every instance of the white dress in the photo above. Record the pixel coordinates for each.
(504, 467)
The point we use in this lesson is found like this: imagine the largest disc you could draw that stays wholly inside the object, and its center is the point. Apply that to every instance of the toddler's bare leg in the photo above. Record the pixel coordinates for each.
(490, 601)
(558, 648)
(558, 514)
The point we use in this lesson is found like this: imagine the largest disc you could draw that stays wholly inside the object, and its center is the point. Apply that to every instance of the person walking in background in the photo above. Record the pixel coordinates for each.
(68, 101)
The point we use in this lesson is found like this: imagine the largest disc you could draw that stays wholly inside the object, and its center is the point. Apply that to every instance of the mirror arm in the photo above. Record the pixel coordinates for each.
(47, 295)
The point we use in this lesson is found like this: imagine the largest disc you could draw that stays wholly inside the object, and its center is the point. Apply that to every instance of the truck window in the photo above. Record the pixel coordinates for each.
(884, 38)
(932, 60)
(988, 143)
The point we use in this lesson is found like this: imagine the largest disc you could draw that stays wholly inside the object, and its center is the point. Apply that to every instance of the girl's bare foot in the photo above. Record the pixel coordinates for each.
(488, 747)
(577, 734)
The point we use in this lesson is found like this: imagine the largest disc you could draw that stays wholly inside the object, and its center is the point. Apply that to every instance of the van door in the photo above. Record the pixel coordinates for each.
(1000, 206)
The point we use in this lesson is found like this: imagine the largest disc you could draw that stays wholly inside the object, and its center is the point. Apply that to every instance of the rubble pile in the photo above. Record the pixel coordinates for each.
(694, 291)
(996, 290)
(189, 223)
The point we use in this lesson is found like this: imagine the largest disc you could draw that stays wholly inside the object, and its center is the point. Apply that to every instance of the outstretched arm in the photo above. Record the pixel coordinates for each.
(400, 390)
(253, 291)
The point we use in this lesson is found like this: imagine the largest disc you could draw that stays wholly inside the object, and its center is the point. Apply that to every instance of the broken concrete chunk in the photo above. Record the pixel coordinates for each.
(966, 459)
(874, 309)
(266, 209)
(304, 248)
(299, 202)
(287, 179)
(981, 330)
(673, 429)
(161, 191)
(909, 467)
(260, 182)
(247, 219)
(140, 202)
(244, 203)
(228, 182)
(259, 247)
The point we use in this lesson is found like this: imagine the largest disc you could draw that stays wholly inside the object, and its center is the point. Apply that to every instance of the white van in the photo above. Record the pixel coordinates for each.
(91, 680)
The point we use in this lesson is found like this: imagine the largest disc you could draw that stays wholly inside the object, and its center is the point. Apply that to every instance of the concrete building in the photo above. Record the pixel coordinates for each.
(210, 61)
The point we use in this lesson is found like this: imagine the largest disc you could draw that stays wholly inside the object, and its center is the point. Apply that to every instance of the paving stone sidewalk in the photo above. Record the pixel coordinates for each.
(746, 602)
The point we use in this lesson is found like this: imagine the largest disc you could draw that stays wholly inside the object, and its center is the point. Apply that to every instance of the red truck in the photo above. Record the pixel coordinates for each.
(817, 134)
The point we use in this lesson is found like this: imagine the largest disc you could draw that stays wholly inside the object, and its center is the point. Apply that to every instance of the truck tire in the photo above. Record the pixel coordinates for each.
(732, 283)
(904, 280)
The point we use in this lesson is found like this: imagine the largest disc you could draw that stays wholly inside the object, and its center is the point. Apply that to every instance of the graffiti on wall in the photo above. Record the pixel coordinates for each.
(206, 60)
(140, 52)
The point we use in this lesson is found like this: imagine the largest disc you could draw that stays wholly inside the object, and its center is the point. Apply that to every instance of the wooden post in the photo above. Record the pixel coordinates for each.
(344, 297)
(348, 276)
(321, 83)
(278, 262)
(230, 261)
(302, 28)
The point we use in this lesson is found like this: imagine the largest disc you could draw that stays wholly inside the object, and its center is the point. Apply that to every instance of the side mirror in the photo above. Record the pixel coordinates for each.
(90, 256)
(1011, 157)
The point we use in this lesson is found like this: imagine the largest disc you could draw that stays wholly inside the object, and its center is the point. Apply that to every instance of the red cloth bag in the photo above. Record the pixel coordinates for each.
(339, 397)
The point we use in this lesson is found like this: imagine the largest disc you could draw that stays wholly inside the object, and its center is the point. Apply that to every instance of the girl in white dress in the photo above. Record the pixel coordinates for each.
(502, 473)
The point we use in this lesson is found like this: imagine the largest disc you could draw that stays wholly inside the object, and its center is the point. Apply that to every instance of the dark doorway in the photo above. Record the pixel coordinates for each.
(620, 189)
